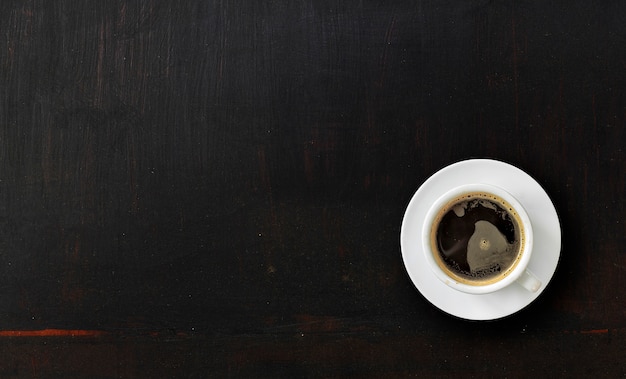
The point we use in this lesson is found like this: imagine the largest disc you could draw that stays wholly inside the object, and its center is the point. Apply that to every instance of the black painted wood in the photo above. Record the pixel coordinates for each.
(217, 187)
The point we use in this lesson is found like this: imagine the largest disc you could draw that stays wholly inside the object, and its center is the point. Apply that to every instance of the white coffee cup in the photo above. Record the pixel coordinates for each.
(486, 243)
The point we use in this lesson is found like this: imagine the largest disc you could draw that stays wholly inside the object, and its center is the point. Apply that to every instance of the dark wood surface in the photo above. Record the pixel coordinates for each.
(215, 188)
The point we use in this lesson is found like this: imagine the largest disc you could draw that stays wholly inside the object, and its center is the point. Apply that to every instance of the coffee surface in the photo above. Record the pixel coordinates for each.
(478, 238)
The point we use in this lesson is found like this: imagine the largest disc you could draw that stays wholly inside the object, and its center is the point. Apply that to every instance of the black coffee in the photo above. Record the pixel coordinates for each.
(477, 238)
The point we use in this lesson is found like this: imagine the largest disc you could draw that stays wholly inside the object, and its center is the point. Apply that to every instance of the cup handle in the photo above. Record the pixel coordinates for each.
(529, 281)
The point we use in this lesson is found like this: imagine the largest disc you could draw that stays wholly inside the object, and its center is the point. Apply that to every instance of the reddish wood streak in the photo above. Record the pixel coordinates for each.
(594, 331)
(52, 333)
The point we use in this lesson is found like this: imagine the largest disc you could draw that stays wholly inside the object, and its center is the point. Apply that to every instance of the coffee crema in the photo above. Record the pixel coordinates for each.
(477, 238)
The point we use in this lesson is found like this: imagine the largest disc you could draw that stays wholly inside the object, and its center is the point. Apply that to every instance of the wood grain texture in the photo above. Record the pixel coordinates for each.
(216, 188)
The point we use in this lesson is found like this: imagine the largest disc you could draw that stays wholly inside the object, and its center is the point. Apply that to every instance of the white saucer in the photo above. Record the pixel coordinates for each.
(546, 229)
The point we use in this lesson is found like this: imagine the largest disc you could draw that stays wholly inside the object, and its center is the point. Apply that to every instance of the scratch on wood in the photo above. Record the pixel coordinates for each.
(100, 64)
(385, 53)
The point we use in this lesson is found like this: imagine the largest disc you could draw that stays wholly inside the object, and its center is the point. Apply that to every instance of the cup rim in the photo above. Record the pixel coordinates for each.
(519, 268)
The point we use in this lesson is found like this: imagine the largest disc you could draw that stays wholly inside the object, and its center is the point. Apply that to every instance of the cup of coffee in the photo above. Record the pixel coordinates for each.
(477, 238)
